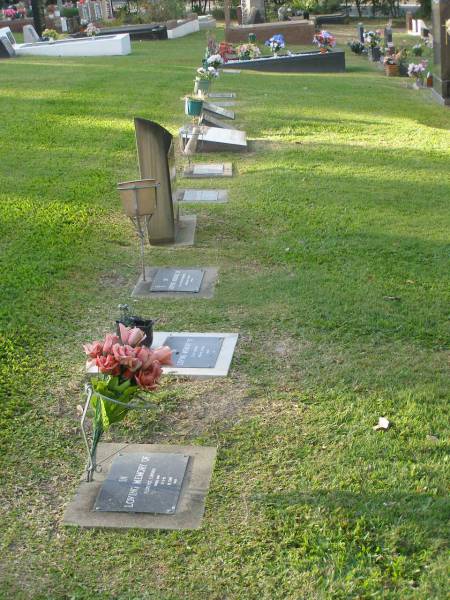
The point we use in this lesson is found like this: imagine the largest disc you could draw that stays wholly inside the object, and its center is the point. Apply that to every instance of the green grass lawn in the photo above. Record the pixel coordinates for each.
(340, 206)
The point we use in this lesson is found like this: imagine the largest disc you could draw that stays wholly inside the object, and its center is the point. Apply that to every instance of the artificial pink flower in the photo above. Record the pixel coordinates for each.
(131, 335)
(110, 340)
(145, 355)
(121, 352)
(107, 364)
(93, 350)
(148, 379)
(163, 355)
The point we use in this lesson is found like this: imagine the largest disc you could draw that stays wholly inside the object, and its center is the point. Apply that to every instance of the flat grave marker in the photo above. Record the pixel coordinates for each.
(177, 282)
(193, 352)
(143, 483)
(198, 354)
(200, 171)
(222, 95)
(144, 486)
(210, 120)
(224, 103)
(202, 196)
(215, 139)
(218, 110)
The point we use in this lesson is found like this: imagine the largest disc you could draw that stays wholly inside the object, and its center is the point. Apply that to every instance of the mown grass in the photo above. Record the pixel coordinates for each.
(333, 257)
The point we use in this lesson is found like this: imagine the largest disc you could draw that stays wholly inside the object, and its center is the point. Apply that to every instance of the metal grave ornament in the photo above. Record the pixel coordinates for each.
(192, 352)
(177, 280)
(143, 483)
(157, 160)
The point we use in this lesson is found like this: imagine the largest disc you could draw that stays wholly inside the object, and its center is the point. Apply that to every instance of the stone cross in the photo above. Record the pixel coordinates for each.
(441, 49)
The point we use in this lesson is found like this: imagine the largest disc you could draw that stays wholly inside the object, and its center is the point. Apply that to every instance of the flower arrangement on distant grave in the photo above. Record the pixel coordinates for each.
(275, 43)
(225, 50)
(417, 70)
(215, 60)
(372, 39)
(207, 73)
(417, 49)
(394, 59)
(356, 47)
(91, 30)
(51, 34)
(248, 51)
(325, 40)
(126, 367)
(9, 13)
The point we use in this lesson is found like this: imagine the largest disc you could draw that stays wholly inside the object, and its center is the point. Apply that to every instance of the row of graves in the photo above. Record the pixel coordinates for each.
(380, 48)
(152, 486)
(143, 485)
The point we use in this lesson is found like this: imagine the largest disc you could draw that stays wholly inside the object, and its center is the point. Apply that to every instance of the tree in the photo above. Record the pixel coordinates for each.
(38, 16)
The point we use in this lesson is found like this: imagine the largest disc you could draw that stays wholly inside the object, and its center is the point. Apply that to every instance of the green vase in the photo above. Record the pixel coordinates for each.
(193, 108)
(202, 85)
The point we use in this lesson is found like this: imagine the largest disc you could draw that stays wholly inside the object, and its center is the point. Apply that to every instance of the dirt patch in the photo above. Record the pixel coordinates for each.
(205, 406)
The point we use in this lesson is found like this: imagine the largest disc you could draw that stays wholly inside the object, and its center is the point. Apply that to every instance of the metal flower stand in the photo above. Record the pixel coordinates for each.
(140, 200)
(91, 448)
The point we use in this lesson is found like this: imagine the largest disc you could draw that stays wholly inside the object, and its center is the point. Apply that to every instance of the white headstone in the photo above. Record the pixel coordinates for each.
(30, 35)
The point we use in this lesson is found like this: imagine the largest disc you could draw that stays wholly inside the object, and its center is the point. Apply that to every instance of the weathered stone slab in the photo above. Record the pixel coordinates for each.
(200, 171)
(189, 509)
(183, 288)
(192, 343)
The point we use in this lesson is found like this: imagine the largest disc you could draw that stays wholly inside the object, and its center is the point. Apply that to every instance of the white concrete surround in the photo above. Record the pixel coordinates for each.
(223, 361)
(106, 45)
(185, 28)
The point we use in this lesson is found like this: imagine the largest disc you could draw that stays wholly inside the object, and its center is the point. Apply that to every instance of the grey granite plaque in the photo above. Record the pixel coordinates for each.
(191, 503)
(177, 280)
(143, 483)
(192, 352)
(222, 95)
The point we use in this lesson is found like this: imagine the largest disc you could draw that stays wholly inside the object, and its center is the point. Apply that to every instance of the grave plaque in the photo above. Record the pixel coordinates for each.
(143, 483)
(216, 169)
(201, 196)
(218, 110)
(177, 280)
(190, 352)
(214, 139)
(222, 95)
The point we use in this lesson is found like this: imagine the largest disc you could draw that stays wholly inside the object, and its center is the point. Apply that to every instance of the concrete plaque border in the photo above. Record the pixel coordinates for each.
(191, 505)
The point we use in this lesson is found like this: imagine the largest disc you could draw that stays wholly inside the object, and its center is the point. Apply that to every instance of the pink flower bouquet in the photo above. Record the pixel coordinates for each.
(125, 368)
